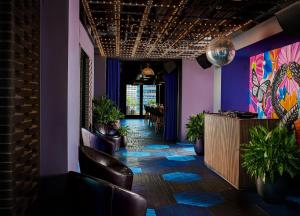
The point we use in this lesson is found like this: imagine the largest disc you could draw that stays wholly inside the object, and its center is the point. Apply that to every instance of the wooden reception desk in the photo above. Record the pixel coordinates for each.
(223, 138)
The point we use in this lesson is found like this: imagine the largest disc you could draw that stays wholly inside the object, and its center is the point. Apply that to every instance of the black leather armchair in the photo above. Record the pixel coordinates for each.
(77, 194)
(98, 142)
(116, 139)
(100, 165)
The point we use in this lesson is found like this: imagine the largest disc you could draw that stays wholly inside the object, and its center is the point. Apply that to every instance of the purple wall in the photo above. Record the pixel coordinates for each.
(54, 92)
(62, 37)
(78, 39)
(197, 91)
(73, 85)
(235, 76)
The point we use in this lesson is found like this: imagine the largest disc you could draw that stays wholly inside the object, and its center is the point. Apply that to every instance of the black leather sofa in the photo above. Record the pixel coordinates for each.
(103, 166)
(77, 194)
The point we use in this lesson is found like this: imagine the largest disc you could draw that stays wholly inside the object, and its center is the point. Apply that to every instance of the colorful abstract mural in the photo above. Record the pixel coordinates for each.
(274, 83)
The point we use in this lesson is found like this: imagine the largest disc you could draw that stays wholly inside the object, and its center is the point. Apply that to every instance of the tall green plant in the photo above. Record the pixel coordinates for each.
(195, 127)
(271, 153)
(104, 111)
(115, 114)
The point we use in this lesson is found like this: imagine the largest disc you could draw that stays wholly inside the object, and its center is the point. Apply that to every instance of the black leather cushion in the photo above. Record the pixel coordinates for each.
(78, 194)
(103, 166)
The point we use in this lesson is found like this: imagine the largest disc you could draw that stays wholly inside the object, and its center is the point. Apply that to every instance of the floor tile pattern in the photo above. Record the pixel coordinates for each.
(176, 182)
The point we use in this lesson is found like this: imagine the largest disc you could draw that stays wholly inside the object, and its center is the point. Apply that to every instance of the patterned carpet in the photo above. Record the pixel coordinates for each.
(176, 182)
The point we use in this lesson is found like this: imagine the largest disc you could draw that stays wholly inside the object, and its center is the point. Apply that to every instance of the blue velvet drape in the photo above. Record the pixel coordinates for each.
(113, 80)
(171, 97)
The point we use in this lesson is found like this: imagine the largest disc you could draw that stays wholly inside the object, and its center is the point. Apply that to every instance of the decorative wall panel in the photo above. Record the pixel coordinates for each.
(20, 88)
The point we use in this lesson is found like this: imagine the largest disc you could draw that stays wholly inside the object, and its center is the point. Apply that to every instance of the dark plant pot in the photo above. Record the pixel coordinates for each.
(272, 192)
(199, 146)
(107, 130)
(124, 141)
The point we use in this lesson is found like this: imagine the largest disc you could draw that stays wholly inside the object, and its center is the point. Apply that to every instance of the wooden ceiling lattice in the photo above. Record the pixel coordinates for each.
(139, 29)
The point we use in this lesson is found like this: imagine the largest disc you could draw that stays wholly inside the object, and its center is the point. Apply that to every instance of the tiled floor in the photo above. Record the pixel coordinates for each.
(176, 182)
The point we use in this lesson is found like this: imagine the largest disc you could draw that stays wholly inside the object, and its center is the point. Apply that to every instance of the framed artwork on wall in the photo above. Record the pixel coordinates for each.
(275, 83)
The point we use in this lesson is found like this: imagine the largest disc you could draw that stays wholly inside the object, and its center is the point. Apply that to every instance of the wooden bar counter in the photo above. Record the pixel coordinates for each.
(222, 140)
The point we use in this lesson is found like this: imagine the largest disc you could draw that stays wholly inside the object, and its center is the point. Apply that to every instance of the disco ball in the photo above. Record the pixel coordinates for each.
(220, 51)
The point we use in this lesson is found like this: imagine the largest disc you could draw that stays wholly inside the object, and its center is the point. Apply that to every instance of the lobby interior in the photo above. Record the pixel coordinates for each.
(150, 107)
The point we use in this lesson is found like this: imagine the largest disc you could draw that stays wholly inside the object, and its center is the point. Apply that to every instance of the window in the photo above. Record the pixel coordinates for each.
(137, 96)
(132, 100)
(149, 95)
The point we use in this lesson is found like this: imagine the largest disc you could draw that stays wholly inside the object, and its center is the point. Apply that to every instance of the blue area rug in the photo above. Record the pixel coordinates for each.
(157, 147)
(186, 144)
(136, 170)
(182, 210)
(161, 154)
(181, 158)
(150, 212)
(135, 154)
(201, 199)
(181, 177)
(189, 149)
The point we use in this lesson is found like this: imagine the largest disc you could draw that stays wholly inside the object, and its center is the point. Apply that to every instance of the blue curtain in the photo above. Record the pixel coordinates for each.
(171, 95)
(113, 80)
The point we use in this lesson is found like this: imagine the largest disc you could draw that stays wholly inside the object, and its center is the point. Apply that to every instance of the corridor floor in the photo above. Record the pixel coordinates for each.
(176, 182)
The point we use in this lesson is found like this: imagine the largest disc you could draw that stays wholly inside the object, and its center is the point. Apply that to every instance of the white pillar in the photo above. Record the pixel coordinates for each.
(217, 88)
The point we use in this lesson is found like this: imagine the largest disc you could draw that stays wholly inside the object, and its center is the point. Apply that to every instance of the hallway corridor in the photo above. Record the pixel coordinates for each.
(176, 182)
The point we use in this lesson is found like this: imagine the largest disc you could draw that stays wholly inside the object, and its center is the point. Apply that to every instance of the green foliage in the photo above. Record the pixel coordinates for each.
(115, 114)
(271, 153)
(151, 102)
(195, 127)
(104, 111)
(131, 101)
(123, 130)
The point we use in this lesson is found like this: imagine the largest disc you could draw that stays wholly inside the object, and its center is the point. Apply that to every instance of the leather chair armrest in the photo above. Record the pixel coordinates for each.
(103, 166)
(127, 203)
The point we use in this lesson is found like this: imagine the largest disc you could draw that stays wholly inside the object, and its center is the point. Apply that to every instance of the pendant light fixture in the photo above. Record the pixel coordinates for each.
(147, 71)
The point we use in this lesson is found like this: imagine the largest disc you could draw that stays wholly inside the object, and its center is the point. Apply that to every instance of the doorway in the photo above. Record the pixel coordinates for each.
(137, 96)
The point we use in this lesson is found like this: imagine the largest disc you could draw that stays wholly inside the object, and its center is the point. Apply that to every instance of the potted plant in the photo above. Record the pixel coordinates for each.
(106, 116)
(114, 117)
(195, 132)
(123, 132)
(271, 157)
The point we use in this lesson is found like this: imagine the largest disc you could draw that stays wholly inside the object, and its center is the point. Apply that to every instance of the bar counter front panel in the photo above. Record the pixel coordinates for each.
(223, 137)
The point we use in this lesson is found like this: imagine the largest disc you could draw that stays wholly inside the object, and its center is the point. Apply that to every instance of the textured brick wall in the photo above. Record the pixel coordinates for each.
(19, 105)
